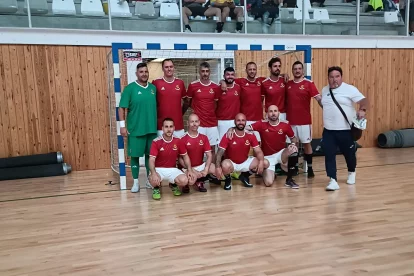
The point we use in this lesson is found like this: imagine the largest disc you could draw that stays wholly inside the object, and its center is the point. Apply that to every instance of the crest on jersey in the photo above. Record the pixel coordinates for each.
(201, 142)
(280, 131)
(282, 85)
(258, 83)
(162, 88)
(236, 93)
(175, 147)
(211, 91)
(152, 91)
(198, 90)
(247, 143)
(302, 87)
(177, 87)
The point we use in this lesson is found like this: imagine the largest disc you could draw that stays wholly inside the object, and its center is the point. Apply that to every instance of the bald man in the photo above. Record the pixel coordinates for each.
(197, 146)
(237, 152)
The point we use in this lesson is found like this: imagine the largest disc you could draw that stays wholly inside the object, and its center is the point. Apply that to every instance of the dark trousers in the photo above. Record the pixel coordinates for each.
(331, 141)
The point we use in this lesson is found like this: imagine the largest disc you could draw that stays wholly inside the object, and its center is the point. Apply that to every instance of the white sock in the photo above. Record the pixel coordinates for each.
(135, 181)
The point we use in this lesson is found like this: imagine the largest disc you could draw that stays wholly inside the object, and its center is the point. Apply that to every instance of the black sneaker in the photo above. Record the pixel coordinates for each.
(213, 179)
(227, 183)
(245, 180)
(311, 174)
(291, 184)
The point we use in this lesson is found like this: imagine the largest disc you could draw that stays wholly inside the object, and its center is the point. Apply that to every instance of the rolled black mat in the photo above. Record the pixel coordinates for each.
(35, 171)
(402, 138)
(32, 160)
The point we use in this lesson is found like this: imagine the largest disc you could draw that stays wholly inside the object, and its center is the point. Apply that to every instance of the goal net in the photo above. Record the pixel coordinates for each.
(186, 65)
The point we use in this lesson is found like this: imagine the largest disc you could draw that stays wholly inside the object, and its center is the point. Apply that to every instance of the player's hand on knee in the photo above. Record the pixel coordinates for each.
(292, 148)
(124, 131)
(219, 173)
(260, 167)
(204, 172)
(154, 179)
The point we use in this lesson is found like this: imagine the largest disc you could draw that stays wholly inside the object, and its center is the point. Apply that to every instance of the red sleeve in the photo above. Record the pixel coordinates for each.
(154, 149)
(313, 91)
(263, 89)
(217, 93)
(190, 91)
(183, 91)
(289, 131)
(253, 141)
(207, 146)
(224, 142)
(258, 126)
(182, 150)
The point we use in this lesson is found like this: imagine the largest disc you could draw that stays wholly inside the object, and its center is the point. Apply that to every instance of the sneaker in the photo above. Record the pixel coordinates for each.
(187, 30)
(148, 185)
(351, 178)
(135, 188)
(227, 183)
(291, 184)
(332, 185)
(311, 174)
(200, 186)
(245, 180)
(156, 194)
(186, 189)
(175, 189)
(235, 175)
(213, 179)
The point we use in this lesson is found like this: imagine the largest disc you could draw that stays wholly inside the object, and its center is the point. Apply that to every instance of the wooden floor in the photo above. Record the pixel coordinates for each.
(78, 225)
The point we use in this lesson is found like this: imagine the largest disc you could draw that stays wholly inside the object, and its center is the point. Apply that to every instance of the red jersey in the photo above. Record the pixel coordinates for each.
(274, 92)
(228, 105)
(237, 149)
(298, 99)
(196, 147)
(166, 152)
(169, 95)
(251, 98)
(273, 137)
(203, 101)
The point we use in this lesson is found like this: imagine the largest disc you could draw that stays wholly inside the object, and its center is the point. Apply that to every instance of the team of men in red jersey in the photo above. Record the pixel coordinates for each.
(230, 116)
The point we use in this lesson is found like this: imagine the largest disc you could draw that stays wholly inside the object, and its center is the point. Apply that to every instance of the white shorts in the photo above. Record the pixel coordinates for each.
(243, 167)
(223, 127)
(274, 159)
(169, 174)
(303, 133)
(255, 132)
(211, 133)
(177, 133)
(200, 167)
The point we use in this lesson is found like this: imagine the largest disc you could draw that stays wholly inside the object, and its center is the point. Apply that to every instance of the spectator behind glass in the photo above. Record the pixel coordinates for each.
(200, 8)
(229, 9)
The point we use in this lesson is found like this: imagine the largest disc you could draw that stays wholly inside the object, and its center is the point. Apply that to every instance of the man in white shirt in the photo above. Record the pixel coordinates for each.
(337, 131)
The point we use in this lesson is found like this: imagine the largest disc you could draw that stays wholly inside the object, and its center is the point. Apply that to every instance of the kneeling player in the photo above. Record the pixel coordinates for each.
(237, 153)
(197, 145)
(163, 158)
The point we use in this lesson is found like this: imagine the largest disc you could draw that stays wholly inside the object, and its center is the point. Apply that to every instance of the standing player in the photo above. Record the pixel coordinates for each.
(197, 145)
(273, 88)
(228, 104)
(299, 93)
(164, 154)
(170, 95)
(138, 101)
(237, 155)
(203, 94)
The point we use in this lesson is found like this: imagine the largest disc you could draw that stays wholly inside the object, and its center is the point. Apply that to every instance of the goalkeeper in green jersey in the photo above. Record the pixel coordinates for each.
(139, 105)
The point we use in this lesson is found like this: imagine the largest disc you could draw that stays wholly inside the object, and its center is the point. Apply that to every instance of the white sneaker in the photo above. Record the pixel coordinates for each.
(135, 188)
(351, 178)
(148, 185)
(333, 185)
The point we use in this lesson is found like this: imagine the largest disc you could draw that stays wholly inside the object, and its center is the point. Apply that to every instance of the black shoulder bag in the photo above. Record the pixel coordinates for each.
(356, 132)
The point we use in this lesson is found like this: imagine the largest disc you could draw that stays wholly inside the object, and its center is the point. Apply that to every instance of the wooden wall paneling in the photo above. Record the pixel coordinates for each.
(104, 106)
(88, 109)
(410, 110)
(4, 118)
(13, 131)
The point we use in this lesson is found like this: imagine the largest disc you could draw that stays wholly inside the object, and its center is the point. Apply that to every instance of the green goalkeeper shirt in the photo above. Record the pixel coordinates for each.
(141, 103)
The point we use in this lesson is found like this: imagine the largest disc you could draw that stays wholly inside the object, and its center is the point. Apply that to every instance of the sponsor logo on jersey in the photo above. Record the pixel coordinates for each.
(211, 91)
(188, 144)
(199, 90)
(162, 88)
(161, 149)
(234, 143)
(139, 93)
(280, 131)
(270, 88)
(175, 147)
(247, 84)
(247, 143)
(289, 87)
(201, 143)
(302, 87)
(266, 130)
(177, 87)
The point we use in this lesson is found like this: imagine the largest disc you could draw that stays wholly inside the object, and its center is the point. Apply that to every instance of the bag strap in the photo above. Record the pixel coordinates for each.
(339, 107)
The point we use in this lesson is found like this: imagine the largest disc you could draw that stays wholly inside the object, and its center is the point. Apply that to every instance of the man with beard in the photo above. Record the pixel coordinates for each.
(170, 98)
(273, 88)
(228, 105)
(273, 133)
(164, 153)
(299, 93)
(237, 155)
(203, 94)
(197, 145)
(139, 105)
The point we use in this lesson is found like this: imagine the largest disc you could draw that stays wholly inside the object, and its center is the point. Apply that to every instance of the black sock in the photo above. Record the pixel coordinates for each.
(293, 159)
(308, 159)
(202, 179)
(246, 174)
(219, 27)
(239, 26)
